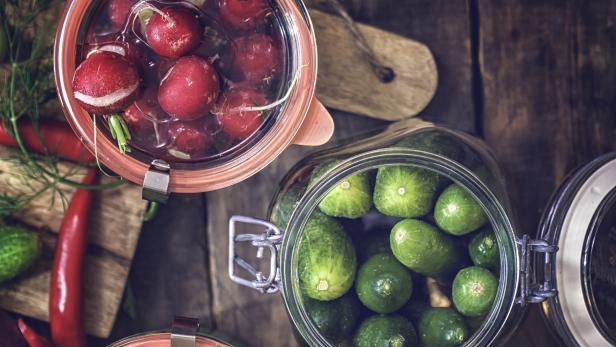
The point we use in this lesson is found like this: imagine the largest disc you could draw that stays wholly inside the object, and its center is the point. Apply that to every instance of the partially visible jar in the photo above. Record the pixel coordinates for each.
(184, 333)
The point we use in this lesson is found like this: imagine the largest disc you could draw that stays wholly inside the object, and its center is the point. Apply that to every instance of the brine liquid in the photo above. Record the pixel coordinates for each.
(154, 132)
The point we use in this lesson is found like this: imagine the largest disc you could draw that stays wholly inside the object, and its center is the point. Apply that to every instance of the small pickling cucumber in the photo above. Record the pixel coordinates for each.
(386, 331)
(335, 319)
(19, 249)
(405, 191)
(483, 250)
(350, 198)
(286, 204)
(383, 284)
(442, 327)
(434, 142)
(424, 249)
(327, 259)
(457, 212)
(474, 290)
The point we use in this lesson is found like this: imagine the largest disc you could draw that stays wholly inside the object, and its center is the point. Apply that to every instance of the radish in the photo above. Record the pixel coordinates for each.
(255, 58)
(244, 14)
(190, 88)
(188, 139)
(105, 82)
(235, 120)
(173, 32)
(118, 11)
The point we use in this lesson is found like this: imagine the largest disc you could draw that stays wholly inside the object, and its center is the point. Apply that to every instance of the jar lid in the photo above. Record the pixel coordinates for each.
(581, 221)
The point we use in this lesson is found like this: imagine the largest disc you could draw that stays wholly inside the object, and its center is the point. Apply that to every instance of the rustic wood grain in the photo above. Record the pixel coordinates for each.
(115, 227)
(441, 25)
(549, 84)
(346, 81)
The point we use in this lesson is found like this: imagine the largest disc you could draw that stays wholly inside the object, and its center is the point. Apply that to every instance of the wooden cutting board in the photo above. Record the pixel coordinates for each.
(113, 234)
(347, 82)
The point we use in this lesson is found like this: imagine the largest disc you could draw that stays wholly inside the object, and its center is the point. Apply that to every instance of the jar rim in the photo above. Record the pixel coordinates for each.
(497, 213)
(303, 63)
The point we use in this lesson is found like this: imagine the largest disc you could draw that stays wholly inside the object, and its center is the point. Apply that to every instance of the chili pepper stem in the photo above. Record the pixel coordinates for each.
(151, 211)
(119, 132)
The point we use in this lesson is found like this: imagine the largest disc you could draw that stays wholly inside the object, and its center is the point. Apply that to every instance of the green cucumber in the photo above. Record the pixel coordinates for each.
(483, 250)
(327, 260)
(335, 319)
(442, 327)
(350, 198)
(385, 331)
(286, 205)
(383, 284)
(405, 191)
(19, 249)
(457, 212)
(474, 290)
(424, 249)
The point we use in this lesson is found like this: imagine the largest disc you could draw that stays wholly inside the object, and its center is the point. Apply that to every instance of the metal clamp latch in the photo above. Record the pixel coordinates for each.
(270, 239)
(156, 182)
(532, 291)
(184, 332)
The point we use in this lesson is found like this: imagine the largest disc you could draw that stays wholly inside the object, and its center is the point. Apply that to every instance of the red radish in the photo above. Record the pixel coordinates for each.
(236, 121)
(255, 58)
(173, 32)
(189, 138)
(190, 88)
(118, 11)
(131, 51)
(105, 82)
(244, 14)
(139, 124)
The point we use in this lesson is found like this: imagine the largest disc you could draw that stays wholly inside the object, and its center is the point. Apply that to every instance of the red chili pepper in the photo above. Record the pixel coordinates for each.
(10, 336)
(66, 289)
(32, 337)
(58, 139)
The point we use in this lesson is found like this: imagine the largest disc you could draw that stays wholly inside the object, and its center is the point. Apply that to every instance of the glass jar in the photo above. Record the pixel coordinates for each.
(301, 119)
(530, 269)
(184, 333)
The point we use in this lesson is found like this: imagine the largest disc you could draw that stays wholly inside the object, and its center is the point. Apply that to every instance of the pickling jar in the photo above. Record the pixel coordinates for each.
(569, 269)
(300, 120)
(184, 333)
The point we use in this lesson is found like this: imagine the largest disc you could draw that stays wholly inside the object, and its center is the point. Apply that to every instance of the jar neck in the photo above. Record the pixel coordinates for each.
(495, 209)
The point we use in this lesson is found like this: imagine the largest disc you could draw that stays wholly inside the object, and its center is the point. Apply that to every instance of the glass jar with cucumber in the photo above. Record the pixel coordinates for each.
(406, 238)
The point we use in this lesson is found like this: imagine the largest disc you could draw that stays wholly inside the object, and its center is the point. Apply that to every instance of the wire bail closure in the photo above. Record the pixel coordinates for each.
(184, 332)
(156, 182)
(270, 239)
(532, 291)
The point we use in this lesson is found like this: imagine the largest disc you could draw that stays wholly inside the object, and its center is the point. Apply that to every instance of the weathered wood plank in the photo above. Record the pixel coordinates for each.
(444, 27)
(347, 82)
(242, 311)
(549, 86)
(115, 227)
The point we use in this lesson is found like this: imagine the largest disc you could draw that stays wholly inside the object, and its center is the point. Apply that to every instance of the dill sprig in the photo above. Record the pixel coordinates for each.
(26, 78)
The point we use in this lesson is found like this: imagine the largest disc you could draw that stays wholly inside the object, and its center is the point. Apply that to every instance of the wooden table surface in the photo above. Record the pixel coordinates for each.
(535, 79)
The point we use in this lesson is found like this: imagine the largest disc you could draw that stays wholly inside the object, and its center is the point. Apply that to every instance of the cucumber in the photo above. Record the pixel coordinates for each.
(424, 249)
(483, 250)
(327, 260)
(405, 191)
(350, 198)
(19, 249)
(474, 290)
(383, 284)
(442, 327)
(457, 212)
(434, 142)
(335, 319)
(286, 205)
(385, 331)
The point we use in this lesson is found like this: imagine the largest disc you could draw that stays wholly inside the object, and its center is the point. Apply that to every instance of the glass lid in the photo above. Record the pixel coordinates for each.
(581, 221)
